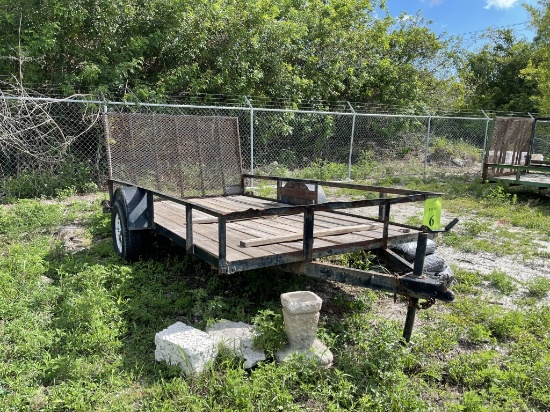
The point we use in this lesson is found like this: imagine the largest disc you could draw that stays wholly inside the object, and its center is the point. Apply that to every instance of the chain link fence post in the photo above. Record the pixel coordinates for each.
(485, 140)
(427, 142)
(351, 139)
(249, 104)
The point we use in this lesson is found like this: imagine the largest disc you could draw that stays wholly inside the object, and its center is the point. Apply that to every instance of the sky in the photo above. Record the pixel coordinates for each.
(462, 17)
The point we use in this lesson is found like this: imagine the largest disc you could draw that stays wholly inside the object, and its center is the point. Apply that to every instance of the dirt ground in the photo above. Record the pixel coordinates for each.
(518, 267)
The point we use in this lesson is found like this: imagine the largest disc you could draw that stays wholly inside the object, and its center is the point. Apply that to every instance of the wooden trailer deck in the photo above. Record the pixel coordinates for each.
(535, 175)
(360, 233)
(540, 180)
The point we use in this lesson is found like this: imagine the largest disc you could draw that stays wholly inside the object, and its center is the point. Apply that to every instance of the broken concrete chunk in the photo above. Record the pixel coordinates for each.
(183, 345)
(237, 337)
(457, 161)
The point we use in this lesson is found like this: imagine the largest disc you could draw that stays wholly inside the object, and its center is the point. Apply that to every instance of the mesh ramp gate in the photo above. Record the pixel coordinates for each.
(510, 143)
(179, 155)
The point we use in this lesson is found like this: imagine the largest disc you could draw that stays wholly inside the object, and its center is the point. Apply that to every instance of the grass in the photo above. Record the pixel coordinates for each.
(502, 282)
(77, 325)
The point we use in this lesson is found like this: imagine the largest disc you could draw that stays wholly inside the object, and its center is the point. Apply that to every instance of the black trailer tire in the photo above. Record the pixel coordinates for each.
(128, 244)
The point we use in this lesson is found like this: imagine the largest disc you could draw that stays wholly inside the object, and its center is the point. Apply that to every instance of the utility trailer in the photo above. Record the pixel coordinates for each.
(510, 157)
(181, 176)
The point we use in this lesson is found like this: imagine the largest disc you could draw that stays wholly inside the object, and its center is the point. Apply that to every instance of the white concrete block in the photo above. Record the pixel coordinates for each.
(183, 345)
(237, 337)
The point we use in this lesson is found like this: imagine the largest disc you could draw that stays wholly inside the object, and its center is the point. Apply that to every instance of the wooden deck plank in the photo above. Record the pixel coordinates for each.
(261, 230)
(209, 235)
(249, 229)
(241, 203)
(165, 207)
(205, 243)
(244, 232)
(233, 240)
(276, 229)
(328, 222)
(320, 233)
(206, 237)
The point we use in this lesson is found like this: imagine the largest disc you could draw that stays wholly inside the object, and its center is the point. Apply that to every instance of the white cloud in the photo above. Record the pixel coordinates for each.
(433, 3)
(500, 4)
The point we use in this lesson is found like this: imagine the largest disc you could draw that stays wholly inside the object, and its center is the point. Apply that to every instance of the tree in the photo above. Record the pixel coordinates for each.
(293, 49)
(493, 75)
(538, 69)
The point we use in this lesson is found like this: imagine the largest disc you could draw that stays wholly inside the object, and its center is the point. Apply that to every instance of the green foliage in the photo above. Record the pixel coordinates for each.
(325, 170)
(502, 282)
(443, 149)
(466, 281)
(93, 319)
(364, 167)
(498, 194)
(71, 177)
(538, 287)
(347, 50)
(29, 216)
(357, 260)
(270, 331)
(494, 74)
(537, 70)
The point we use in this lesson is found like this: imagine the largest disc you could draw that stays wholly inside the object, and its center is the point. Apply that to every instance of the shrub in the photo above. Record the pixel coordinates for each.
(72, 176)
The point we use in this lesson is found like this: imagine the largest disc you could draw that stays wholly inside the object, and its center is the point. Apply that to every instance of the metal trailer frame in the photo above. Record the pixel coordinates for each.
(135, 209)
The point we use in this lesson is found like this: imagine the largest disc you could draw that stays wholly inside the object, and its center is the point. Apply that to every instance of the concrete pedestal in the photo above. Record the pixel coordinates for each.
(301, 316)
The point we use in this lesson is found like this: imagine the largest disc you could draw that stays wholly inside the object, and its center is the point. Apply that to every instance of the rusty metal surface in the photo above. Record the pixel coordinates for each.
(510, 143)
(184, 156)
(408, 285)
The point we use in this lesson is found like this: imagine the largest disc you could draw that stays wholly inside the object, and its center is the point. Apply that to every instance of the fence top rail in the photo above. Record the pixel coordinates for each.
(50, 99)
(242, 108)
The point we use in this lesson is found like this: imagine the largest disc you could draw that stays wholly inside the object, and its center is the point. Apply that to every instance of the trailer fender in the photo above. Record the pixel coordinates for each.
(134, 200)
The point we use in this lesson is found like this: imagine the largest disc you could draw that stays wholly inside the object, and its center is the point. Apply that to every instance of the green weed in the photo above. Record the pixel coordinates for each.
(538, 287)
(77, 328)
(270, 332)
(72, 176)
(466, 281)
(502, 282)
(324, 170)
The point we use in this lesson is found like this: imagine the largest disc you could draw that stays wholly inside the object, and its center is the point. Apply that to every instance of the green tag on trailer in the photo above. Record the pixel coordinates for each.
(432, 213)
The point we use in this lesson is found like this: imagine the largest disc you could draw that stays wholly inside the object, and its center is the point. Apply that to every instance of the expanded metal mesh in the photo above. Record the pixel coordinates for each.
(510, 143)
(179, 155)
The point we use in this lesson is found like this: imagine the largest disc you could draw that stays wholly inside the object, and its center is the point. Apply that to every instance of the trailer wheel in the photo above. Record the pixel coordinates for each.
(128, 244)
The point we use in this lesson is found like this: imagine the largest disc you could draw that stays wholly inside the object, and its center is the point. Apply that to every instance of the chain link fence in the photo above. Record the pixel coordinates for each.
(541, 143)
(53, 146)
